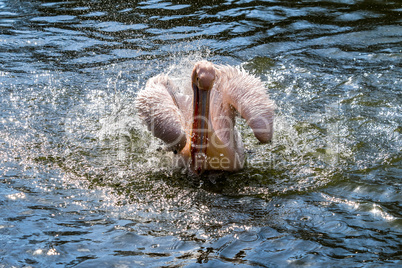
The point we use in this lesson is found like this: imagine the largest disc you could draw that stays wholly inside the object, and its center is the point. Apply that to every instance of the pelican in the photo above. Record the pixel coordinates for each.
(200, 127)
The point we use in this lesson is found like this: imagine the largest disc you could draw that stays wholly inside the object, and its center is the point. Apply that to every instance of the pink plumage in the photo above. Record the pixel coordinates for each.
(201, 127)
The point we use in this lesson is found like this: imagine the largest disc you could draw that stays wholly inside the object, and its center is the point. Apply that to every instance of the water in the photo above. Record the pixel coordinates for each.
(83, 183)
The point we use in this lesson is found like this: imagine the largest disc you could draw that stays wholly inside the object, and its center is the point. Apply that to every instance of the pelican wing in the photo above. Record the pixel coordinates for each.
(247, 94)
(158, 107)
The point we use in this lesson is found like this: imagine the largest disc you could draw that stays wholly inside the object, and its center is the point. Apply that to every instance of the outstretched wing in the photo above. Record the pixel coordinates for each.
(158, 107)
(247, 94)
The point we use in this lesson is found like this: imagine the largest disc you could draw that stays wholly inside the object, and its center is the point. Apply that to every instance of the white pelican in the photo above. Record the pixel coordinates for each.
(201, 127)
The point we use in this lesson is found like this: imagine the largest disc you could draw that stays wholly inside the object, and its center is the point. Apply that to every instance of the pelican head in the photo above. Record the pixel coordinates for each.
(203, 78)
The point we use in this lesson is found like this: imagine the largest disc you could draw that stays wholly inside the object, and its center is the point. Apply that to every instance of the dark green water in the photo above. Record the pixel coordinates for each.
(83, 184)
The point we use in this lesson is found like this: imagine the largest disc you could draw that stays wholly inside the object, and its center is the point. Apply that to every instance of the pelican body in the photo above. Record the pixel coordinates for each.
(201, 127)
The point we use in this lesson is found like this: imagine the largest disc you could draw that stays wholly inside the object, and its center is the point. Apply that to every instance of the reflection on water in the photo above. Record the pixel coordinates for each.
(83, 183)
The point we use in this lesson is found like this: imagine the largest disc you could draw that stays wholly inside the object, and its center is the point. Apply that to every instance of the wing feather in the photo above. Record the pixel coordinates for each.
(247, 94)
(158, 107)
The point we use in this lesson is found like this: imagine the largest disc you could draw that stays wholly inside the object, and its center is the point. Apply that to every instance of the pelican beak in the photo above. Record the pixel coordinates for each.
(199, 136)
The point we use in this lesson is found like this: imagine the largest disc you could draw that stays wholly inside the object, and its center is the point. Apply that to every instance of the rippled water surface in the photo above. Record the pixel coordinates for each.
(83, 183)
